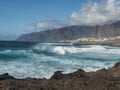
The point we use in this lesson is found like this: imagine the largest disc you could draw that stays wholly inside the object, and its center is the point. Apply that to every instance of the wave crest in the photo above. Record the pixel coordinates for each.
(61, 50)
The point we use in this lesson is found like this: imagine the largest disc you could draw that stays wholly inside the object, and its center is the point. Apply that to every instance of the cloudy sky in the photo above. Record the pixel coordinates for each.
(24, 16)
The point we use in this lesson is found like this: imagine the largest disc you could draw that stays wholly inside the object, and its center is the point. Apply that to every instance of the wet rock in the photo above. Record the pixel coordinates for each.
(57, 75)
(5, 76)
(117, 65)
(115, 70)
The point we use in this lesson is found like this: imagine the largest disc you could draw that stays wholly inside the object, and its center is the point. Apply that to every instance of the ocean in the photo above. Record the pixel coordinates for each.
(41, 60)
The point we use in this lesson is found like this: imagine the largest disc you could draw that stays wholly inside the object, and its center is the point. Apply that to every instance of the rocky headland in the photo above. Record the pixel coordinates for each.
(104, 79)
(73, 33)
(108, 34)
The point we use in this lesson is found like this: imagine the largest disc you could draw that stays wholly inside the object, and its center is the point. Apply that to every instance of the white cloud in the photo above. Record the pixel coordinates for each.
(49, 23)
(94, 13)
(43, 26)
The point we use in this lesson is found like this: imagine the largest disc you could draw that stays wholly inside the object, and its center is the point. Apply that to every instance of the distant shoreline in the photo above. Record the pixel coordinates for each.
(108, 43)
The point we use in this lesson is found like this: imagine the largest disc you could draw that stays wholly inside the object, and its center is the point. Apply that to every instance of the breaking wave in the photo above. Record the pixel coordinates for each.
(61, 50)
(42, 60)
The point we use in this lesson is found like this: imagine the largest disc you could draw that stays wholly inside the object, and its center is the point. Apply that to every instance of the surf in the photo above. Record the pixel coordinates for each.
(43, 59)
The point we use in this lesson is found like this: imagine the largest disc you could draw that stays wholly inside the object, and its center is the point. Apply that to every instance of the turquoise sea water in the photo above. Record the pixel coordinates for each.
(43, 59)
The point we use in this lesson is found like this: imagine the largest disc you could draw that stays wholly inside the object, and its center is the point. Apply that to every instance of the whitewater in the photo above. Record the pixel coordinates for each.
(43, 59)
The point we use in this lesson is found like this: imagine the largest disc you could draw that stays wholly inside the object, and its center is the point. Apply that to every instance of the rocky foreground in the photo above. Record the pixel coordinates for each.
(104, 79)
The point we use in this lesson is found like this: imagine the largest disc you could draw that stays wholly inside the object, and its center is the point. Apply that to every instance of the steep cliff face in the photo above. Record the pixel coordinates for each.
(73, 32)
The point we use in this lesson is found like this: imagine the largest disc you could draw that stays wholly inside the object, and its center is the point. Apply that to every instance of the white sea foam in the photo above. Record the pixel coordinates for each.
(5, 51)
(88, 49)
(59, 50)
(64, 49)
(39, 63)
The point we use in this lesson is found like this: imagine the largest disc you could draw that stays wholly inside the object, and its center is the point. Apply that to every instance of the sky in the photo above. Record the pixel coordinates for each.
(24, 16)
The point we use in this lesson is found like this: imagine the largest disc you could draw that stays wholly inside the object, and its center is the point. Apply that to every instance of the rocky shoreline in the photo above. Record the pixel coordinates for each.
(104, 79)
(108, 43)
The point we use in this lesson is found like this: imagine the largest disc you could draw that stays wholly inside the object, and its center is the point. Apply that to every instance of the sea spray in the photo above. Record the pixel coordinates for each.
(42, 60)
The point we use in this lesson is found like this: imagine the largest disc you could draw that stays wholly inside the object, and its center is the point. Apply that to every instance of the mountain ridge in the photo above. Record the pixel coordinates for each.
(72, 33)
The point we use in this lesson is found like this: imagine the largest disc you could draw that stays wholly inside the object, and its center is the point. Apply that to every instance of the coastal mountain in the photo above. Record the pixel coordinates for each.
(73, 33)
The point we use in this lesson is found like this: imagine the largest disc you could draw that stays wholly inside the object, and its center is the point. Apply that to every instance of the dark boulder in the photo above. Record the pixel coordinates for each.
(5, 76)
(57, 75)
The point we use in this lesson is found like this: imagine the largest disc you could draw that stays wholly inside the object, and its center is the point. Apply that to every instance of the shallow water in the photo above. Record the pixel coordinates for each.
(42, 60)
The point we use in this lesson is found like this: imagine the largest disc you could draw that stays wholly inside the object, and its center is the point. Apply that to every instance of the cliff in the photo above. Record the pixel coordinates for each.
(73, 32)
